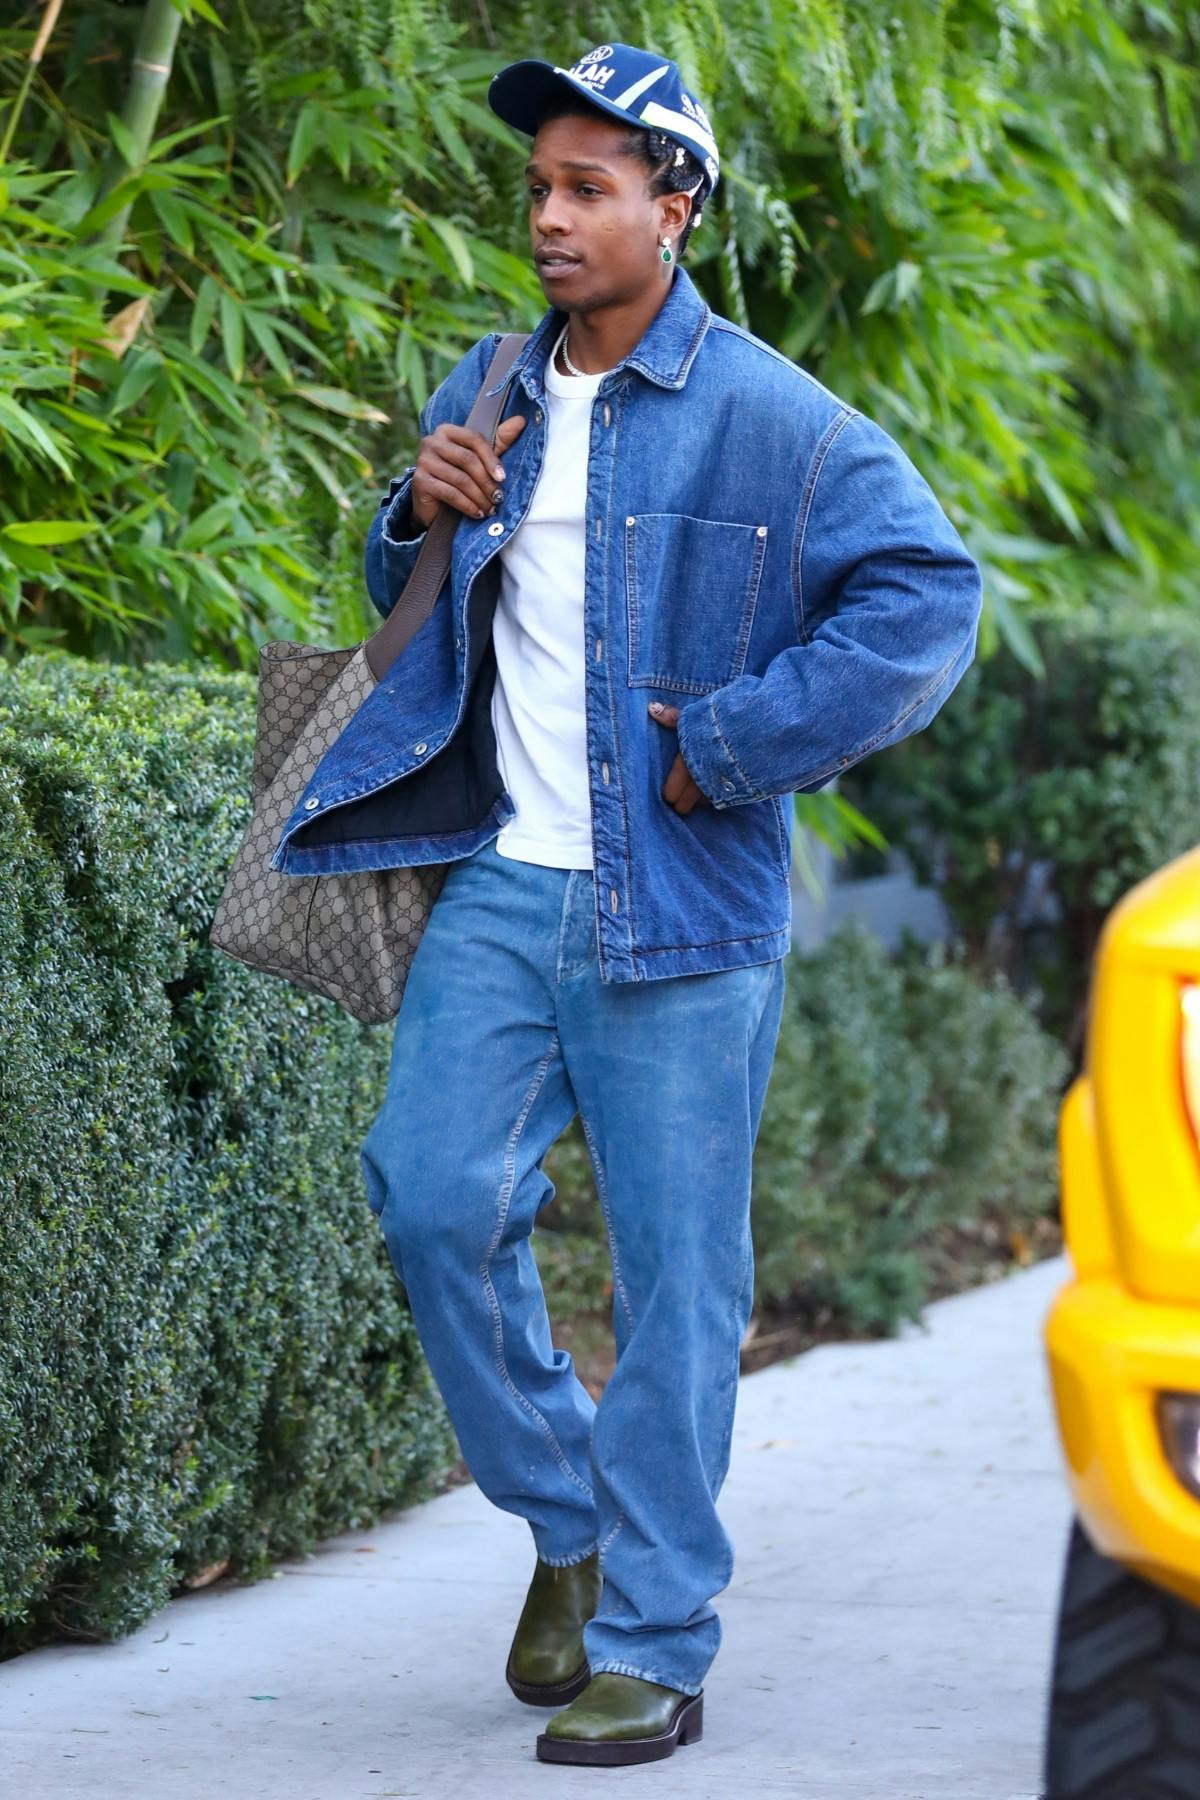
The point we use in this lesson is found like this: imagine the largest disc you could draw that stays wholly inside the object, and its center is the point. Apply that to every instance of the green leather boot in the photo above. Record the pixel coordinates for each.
(622, 1719)
(547, 1663)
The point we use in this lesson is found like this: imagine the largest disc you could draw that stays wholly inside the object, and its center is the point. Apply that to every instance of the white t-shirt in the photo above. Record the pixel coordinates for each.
(538, 702)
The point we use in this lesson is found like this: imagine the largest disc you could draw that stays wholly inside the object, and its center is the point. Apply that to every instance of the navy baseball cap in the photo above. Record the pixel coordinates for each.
(628, 84)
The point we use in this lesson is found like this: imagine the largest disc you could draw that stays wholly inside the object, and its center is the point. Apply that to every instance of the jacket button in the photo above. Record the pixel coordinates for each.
(762, 531)
(607, 413)
(420, 749)
(612, 898)
(495, 529)
(604, 772)
(725, 782)
(630, 520)
(309, 804)
(537, 415)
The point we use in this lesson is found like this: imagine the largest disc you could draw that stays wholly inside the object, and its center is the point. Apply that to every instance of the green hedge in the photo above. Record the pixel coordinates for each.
(909, 1099)
(206, 1353)
(207, 1357)
(1092, 769)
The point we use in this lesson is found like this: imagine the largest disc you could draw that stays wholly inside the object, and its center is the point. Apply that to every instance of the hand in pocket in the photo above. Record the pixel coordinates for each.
(679, 789)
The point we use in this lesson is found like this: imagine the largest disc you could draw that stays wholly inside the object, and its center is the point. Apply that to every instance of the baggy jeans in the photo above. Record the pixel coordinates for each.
(505, 1032)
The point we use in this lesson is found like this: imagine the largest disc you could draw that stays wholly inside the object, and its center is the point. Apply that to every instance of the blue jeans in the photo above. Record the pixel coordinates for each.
(505, 1032)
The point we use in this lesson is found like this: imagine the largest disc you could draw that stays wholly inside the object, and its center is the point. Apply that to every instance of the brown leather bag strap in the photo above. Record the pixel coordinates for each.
(423, 586)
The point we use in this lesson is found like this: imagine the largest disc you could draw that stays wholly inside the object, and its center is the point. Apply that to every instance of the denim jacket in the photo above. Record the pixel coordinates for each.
(759, 554)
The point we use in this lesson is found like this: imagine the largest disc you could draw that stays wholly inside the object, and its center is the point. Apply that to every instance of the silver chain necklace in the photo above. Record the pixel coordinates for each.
(562, 345)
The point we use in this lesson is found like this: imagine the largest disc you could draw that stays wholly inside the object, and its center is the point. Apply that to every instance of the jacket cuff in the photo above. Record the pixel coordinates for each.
(708, 757)
(400, 526)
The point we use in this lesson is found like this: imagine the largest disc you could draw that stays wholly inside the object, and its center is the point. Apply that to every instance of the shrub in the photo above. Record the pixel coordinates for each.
(1086, 776)
(207, 1356)
(208, 1360)
(908, 1097)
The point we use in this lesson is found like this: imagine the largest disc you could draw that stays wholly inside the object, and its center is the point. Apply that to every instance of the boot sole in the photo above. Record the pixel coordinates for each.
(686, 1727)
(536, 1693)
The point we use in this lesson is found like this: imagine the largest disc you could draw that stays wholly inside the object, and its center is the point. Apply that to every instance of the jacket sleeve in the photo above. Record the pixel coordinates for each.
(395, 536)
(898, 596)
(394, 539)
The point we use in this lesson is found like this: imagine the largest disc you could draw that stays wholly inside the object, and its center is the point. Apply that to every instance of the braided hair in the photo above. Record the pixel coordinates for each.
(673, 167)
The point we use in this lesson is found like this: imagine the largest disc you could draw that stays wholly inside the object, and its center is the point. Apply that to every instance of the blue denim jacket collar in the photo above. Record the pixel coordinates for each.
(664, 353)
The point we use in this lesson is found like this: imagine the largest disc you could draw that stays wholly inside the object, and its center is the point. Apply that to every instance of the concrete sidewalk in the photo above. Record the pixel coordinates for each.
(899, 1516)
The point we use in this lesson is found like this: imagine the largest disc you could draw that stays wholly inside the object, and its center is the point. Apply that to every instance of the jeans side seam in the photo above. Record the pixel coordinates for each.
(602, 1191)
(731, 1403)
(605, 1542)
(510, 1154)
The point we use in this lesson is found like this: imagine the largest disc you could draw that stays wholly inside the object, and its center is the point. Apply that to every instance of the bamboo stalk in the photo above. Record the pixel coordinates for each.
(152, 59)
(49, 21)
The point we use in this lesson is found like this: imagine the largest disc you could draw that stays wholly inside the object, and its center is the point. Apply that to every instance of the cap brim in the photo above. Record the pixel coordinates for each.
(521, 93)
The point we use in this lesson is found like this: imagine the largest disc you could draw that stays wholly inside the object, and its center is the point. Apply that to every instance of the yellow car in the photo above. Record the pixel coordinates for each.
(1123, 1339)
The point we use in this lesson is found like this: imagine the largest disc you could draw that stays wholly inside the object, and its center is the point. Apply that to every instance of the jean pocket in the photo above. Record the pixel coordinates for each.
(691, 587)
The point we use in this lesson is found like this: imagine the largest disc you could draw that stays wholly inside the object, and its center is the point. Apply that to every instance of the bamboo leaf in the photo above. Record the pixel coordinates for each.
(306, 136)
(140, 370)
(49, 531)
(23, 424)
(451, 136)
(324, 473)
(263, 333)
(174, 217)
(1058, 500)
(338, 401)
(113, 203)
(908, 280)
(209, 523)
(164, 145)
(457, 245)
(124, 139)
(203, 312)
(233, 335)
(202, 7)
(1012, 627)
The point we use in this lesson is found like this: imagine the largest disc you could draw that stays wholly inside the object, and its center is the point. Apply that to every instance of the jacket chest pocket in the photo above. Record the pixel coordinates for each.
(691, 586)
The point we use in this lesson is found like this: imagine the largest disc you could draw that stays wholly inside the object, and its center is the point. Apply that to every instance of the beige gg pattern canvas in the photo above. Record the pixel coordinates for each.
(350, 937)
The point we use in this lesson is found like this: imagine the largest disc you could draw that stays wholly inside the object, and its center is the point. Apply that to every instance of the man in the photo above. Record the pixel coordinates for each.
(687, 582)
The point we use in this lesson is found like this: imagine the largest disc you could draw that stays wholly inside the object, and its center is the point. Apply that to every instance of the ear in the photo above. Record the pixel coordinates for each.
(675, 213)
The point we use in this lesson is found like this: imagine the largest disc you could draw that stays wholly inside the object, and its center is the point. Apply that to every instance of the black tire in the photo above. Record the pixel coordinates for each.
(1124, 1714)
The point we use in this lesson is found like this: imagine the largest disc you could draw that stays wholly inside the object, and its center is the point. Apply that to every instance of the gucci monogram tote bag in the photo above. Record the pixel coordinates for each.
(349, 937)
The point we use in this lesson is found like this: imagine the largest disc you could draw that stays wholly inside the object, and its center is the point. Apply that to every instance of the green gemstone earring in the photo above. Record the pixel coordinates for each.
(668, 255)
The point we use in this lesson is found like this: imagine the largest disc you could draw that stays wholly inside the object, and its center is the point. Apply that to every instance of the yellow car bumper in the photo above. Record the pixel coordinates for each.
(1110, 1357)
